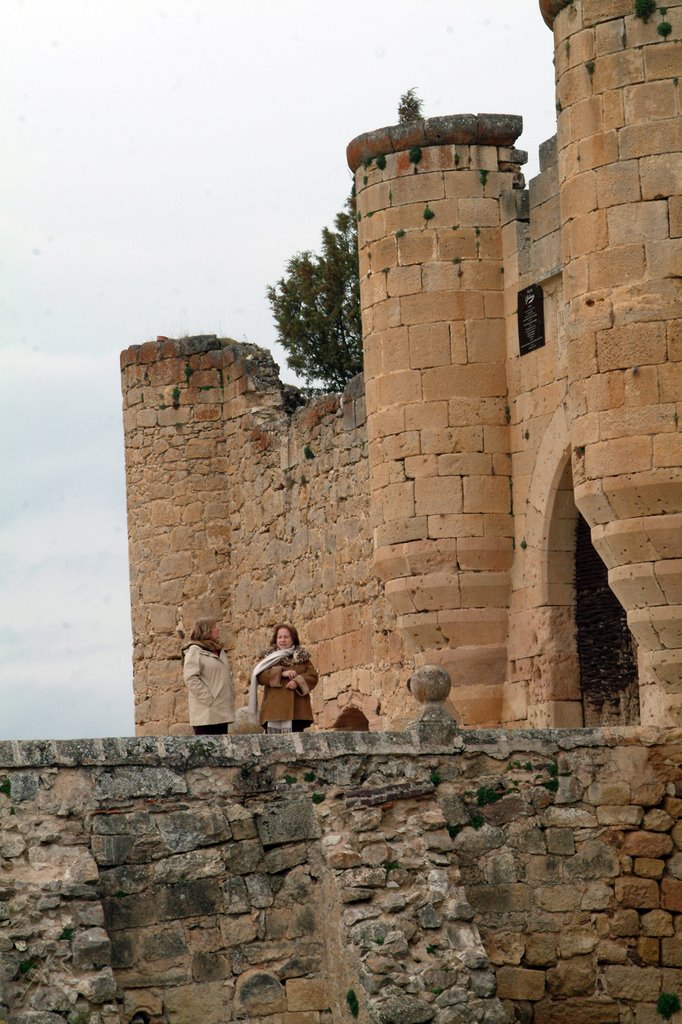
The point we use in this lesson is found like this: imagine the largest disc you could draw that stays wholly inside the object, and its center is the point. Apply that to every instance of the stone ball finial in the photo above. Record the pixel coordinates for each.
(430, 684)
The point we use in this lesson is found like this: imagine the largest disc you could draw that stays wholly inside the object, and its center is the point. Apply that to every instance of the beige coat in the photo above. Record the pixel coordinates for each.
(209, 684)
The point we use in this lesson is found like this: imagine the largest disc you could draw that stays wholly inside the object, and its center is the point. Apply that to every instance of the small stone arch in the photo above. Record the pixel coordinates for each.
(141, 1017)
(351, 719)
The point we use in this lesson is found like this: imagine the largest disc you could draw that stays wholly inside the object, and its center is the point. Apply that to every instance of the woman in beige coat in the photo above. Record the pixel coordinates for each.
(206, 672)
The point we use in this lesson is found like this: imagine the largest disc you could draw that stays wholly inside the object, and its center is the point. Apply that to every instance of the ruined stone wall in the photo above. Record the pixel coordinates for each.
(247, 505)
(435, 875)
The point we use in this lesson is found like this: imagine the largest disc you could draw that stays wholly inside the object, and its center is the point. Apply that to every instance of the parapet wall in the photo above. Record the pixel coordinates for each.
(425, 875)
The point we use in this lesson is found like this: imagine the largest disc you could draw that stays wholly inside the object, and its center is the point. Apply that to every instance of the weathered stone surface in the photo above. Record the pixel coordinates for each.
(293, 820)
(190, 899)
(258, 993)
(400, 1010)
(208, 1003)
(520, 983)
(91, 948)
(244, 857)
(593, 860)
(100, 988)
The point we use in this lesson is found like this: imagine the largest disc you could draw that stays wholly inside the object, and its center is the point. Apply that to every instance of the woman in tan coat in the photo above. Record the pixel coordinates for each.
(206, 671)
(287, 676)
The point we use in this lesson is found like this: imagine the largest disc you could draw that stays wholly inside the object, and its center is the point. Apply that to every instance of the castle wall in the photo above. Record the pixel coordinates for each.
(543, 680)
(230, 488)
(436, 875)
(461, 491)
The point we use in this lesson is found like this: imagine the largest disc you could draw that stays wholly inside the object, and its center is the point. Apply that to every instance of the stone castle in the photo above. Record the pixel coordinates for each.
(499, 494)
(502, 493)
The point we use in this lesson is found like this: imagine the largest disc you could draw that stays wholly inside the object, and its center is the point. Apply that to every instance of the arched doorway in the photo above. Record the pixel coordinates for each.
(606, 648)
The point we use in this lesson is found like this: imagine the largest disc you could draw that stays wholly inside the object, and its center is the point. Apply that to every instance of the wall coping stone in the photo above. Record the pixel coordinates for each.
(216, 751)
(462, 129)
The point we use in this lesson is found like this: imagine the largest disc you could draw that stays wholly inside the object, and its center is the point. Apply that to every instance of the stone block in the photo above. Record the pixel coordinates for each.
(571, 1011)
(189, 1004)
(610, 267)
(597, 896)
(671, 952)
(573, 977)
(671, 894)
(647, 844)
(637, 222)
(416, 247)
(307, 994)
(650, 101)
(647, 867)
(618, 456)
(617, 184)
(541, 949)
(625, 923)
(641, 893)
(641, 984)
(661, 176)
(556, 898)
(431, 307)
(437, 495)
(611, 792)
(519, 983)
(486, 494)
(400, 387)
(664, 258)
(429, 345)
(580, 193)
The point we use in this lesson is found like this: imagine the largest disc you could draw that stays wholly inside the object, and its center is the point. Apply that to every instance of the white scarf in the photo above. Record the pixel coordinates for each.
(270, 659)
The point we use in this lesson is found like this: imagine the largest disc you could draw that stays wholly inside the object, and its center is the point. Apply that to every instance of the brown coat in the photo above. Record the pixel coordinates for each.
(282, 704)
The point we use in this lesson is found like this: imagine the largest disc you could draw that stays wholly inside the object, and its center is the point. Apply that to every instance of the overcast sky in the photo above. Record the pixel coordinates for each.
(162, 159)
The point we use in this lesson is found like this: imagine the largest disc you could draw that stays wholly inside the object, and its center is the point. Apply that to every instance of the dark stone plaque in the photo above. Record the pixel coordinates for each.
(530, 315)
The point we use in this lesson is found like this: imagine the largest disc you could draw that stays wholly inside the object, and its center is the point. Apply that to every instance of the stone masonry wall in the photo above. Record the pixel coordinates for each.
(231, 483)
(543, 679)
(430, 875)
(620, 176)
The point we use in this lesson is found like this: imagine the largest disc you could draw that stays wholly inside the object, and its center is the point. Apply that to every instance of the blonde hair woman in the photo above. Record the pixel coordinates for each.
(206, 672)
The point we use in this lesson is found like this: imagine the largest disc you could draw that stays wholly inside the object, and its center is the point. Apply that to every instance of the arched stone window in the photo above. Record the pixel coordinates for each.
(351, 720)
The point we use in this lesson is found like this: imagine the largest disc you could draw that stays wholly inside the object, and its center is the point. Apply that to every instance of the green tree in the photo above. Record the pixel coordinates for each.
(409, 107)
(316, 306)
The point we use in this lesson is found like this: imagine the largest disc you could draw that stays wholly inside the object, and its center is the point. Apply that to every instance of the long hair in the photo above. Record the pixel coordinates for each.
(202, 629)
(292, 630)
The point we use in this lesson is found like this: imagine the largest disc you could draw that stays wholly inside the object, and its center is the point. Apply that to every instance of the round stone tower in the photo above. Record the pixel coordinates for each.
(431, 274)
(619, 100)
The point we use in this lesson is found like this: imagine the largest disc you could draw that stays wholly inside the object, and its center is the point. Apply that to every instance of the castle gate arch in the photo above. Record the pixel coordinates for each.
(567, 625)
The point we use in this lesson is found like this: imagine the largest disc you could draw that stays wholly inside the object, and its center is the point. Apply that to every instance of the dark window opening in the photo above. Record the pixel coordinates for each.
(606, 649)
(352, 720)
